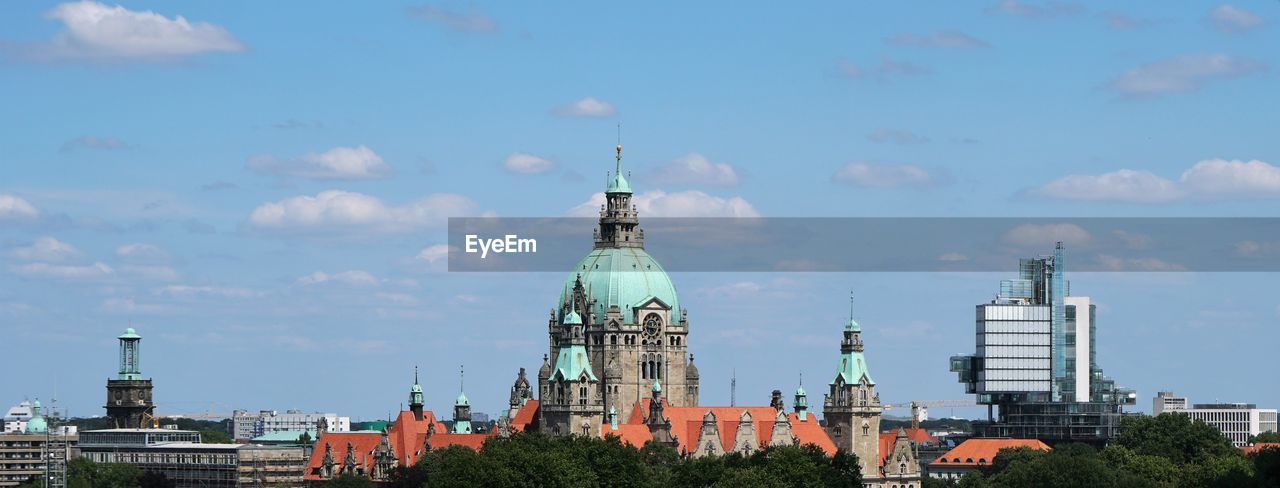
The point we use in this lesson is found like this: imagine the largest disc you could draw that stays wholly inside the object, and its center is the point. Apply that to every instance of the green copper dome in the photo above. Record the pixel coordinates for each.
(129, 333)
(622, 276)
(462, 400)
(37, 424)
(618, 185)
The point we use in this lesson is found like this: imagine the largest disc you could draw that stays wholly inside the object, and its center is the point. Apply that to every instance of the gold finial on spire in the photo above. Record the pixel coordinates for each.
(618, 165)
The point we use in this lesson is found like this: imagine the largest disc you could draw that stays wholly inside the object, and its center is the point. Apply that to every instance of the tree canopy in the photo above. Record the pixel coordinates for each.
(537, 460)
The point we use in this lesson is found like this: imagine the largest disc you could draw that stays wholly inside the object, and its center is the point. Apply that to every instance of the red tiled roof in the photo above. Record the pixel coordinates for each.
(811, 432)
(686, 425)
(474, 441)
(631, 434)
(525, 415)
(979, 452)
(362, 444)
(1259, 446)
(406, 437)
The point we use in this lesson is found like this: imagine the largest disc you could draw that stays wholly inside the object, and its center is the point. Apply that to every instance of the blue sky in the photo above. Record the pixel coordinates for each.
(258, 187)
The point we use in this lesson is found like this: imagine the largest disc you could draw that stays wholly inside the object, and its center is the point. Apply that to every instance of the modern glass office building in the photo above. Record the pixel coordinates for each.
(1035, 362)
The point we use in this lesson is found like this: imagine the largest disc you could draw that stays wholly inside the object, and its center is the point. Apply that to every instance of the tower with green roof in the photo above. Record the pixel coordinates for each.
(461, 409)
(37, 424)
(851, 409)
(415, 396)
(129, 394)
(618, 315)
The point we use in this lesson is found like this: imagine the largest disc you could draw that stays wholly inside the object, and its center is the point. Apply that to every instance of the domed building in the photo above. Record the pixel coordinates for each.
(37, 424)
(616, 328)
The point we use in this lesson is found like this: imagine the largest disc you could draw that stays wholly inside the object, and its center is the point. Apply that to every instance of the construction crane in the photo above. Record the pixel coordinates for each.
(915, 406)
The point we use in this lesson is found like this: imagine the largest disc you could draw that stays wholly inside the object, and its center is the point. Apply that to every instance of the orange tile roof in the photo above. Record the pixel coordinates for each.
(634, 435)
(686, 425)
(406, 437)
(525, 415)
(362, 444)
(1260, 446)
(980, 452)
(811, 432)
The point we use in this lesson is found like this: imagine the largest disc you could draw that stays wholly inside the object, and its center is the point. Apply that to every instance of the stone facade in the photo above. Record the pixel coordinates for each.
(616, 330)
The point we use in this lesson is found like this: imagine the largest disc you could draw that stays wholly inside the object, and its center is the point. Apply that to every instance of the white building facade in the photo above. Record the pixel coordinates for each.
(1237, 421)
(247, 425)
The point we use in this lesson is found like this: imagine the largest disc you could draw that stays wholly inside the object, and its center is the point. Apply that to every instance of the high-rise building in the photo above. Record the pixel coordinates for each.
(1237, 421)
(1166, 402)
(247, 425)
(129, 395)
(1035, 364)
(616, 329)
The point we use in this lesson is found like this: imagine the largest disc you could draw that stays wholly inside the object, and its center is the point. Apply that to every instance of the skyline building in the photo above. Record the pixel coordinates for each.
(129, 402)
(1035, 365)
(1238, 422)
(616, 330)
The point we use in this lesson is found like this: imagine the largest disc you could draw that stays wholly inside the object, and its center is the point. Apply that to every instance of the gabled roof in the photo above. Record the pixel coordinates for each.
(980, 452)
(526, 415)
(572, 364)
(406, 437)
(631, 434)
(1259, 446)
(686, 425)
(852, 369)
(362, 445)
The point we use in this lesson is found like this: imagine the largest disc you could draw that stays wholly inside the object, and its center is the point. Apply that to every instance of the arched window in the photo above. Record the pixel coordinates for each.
(657, 370)
(613, 339)
(902, 468)
(865, 429)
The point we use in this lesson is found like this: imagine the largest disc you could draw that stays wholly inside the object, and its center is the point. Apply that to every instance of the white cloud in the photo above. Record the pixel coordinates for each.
(47, 249)
(1113, 263)
(1132, 240)
(861, 173)
(658, 203)
(1229, 18)
(897, 136)
(139, 252)
(586, 107)
(953, 257)
(473, 21)
(46, 270)
(1121, 21)
(1206, 180)
(351, 278)
(734, 290)
(527, 164)
(694, 168)
(1181, 74)
(214, 291)
(13, 207)
(398, 298)
(339, 163)
(1118, 186)
(95, 31)
(1220, 178)
(433, 254)
(1039, 235)
(1255, 248)
(149, 272)
(938, 39)
(130, 306)
(94, 142)
(341, 209)
(1034, 10)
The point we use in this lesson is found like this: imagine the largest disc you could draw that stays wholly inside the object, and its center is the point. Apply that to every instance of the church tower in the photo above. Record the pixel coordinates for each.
(852, 407)
(620, 310)
(415, 396)
(461, 410)
(129, 396)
